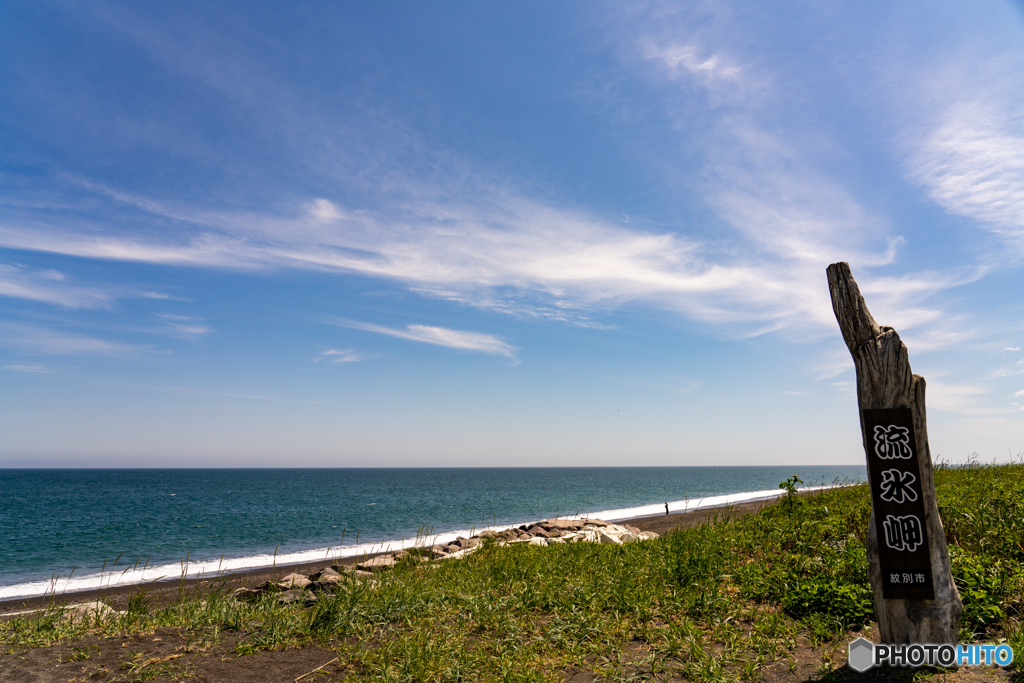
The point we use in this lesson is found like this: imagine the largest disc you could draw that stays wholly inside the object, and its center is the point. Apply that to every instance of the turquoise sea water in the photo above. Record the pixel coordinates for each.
(56, 521)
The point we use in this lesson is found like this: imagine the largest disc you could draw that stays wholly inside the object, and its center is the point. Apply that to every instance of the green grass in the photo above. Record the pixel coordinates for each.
(715, 602)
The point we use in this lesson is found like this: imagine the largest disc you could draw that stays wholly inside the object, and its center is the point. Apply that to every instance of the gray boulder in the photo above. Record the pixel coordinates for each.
(293, 581)
(246, 594)
(325, 574)
(378, 563)
(296, 595)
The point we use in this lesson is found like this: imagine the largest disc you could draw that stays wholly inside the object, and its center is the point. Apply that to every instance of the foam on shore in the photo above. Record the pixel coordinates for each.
(194, 569)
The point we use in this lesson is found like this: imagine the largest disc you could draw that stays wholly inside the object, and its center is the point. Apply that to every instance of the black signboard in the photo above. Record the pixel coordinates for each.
(898, 502)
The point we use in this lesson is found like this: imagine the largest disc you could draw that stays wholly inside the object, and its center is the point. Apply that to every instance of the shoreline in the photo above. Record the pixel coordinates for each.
(686, 513)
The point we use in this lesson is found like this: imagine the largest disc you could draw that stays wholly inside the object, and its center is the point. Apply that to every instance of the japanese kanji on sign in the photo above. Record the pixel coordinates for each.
(895, 480)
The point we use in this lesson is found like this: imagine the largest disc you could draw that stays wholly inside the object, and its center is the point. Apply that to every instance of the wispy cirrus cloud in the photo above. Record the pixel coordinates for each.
(160, 296)
(959, 132)
(782, 215)
(440, 336)
(692, 60)
(973, 165)
(958, 398)
(28, 367)
(184, 326)
(49, 286)
(794, 214)
(41, 340)
(508, 253)
(503, 252)
(211, 250)
(777, 178)
(340, 356)
(57, 288)
(1006, 371)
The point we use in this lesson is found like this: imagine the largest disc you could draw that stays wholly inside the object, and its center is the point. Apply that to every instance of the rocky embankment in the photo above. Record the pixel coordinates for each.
(304, 588)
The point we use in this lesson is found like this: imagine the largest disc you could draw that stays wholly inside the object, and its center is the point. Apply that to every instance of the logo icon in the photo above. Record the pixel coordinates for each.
(861, 654)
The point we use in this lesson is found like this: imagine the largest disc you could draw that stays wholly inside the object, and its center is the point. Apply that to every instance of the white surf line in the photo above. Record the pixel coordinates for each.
(213, 569)
(656, 509)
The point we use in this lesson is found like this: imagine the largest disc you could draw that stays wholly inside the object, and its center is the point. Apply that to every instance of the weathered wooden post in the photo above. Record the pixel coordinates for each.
(908, 564)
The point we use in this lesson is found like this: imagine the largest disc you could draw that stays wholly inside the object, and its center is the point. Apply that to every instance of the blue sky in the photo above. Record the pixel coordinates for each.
(377, 234)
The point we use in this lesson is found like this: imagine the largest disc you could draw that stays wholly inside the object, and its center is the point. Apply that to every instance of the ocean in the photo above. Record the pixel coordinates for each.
(70, 530)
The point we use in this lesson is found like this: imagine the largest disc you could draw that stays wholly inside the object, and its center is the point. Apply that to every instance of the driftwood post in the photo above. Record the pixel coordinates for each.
(915, 597)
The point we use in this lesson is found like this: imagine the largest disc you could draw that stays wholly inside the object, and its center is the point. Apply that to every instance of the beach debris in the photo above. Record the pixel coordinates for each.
(298, 588)
(161, 660)
(317, 669)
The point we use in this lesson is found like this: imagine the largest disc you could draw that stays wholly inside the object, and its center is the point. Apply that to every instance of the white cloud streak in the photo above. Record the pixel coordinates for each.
(973, 165)
(512, 254)
(31, 368)
(183, 326)
(48, 286)
(960, 398)
(340, 356)
(794, 214)
(691, 60)
(498, 248)
(958, 107)
(39, 340)
(440, 336)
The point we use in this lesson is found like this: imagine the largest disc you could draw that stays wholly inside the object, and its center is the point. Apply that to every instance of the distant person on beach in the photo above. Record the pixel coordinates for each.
(666, 509)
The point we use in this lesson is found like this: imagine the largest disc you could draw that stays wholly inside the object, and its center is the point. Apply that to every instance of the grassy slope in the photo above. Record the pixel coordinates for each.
(716, 601)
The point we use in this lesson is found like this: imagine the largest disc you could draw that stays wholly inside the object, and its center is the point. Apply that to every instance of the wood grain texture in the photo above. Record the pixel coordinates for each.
(884, 380)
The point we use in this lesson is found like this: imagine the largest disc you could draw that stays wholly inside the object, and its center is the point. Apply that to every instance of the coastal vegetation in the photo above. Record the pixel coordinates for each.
(736, 598)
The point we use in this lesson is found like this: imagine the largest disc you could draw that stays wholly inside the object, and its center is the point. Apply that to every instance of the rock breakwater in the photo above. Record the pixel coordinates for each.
(305, 588)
